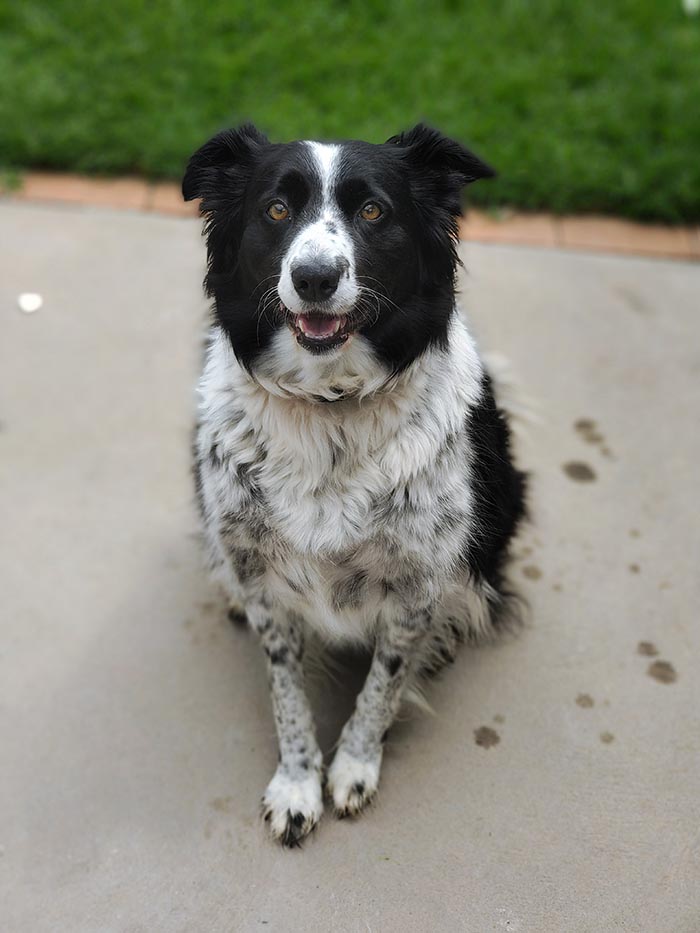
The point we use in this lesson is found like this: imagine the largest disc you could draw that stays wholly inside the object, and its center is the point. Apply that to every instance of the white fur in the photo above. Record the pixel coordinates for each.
(345, 777)
(285, 796)
(324, 517)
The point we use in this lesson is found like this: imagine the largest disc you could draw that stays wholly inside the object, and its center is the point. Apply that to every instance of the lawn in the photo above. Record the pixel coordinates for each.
(579, 106)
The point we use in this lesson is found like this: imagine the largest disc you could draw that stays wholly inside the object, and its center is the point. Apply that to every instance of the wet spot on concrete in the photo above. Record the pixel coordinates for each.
(585, 700)
(532, 572)
(203, 630)
(486, 737)
(579, 471)
(633, 301)
(221, 804)
(588, 431)
(663, 671)
(607, 737)
(647, 649)
(499, 719)
(634, 568)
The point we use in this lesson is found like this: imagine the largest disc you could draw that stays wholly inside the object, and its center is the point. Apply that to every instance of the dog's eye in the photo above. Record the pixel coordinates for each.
(278, 211)
(371, 211)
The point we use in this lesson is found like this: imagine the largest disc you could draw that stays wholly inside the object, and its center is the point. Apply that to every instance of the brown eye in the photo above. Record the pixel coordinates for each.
(278, 211)
(371, 211)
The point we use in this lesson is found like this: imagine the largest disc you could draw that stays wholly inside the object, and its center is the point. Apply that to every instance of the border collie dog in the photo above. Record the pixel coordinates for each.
(353, 470)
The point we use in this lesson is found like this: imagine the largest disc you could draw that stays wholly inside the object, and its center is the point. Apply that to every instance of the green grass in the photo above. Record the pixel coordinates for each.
(580, 106)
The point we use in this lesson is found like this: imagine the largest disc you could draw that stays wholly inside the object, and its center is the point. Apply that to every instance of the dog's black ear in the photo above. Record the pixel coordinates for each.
(438, 168)
(221, 161)
(429, 149)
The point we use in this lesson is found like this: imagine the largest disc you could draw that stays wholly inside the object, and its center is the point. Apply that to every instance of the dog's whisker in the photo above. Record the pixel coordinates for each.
(274, 275)
(379, 297)
(267, 300)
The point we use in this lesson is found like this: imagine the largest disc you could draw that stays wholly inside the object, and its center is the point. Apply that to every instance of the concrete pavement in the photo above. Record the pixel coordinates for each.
(556, 788)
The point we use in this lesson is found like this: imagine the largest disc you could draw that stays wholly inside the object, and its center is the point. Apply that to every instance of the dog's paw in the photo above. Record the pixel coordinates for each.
(292, 808)
(352, 783)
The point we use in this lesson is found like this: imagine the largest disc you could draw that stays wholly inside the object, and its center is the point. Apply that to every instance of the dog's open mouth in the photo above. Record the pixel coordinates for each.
(318, 332)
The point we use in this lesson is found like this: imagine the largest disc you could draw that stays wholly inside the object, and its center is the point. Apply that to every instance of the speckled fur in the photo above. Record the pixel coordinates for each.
(351, 519)
(367, 501)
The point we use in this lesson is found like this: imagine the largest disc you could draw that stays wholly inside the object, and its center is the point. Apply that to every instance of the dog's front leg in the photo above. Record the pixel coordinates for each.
(354, 775)
(293, 801)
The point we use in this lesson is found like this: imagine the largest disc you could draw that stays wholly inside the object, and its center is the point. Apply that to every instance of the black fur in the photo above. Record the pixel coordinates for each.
(411, 250)
(499, 489)
(290, 242)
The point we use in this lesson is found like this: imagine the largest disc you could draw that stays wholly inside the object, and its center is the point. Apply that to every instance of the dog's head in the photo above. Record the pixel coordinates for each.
(332, 265)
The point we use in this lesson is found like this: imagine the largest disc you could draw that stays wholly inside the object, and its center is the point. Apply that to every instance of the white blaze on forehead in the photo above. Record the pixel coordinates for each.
(325, 238)
(326, 158)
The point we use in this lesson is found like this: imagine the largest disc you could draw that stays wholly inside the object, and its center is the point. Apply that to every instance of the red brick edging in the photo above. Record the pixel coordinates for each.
(598, 234)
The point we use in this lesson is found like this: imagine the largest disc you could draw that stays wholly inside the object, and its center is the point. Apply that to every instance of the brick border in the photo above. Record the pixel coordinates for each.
(134, 194)
(592, 233)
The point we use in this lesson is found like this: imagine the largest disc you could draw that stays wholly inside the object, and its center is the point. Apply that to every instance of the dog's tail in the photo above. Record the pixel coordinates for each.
(523, 410)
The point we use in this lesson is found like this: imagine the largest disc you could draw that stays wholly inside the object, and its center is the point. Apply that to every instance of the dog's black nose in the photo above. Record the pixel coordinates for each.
(315, 283)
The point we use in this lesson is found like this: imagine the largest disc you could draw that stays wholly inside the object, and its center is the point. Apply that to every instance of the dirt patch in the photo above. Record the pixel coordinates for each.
(585, 700)
(647, 649)
(486, 737)
(607, 737)
(633, 301)
(663, 671)
(588, 431)
(221, 804)
(532, 572)
(578, 471)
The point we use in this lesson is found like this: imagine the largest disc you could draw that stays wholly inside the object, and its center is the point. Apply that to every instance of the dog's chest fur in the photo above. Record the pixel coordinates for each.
(348, 509)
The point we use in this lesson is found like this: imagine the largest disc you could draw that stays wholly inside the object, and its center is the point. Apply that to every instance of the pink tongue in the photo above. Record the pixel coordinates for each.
(317, 325)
